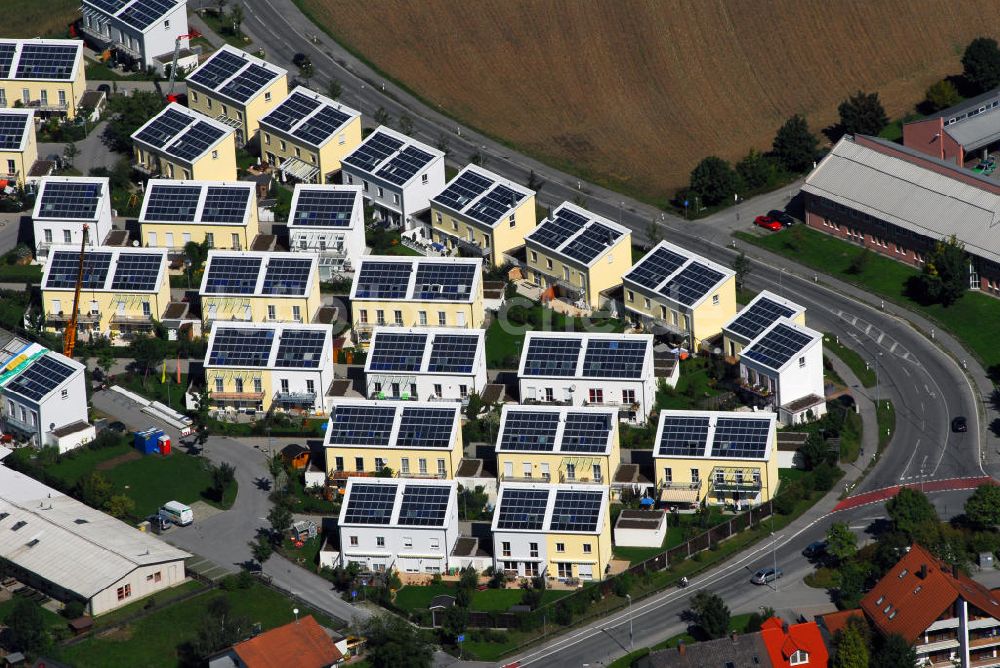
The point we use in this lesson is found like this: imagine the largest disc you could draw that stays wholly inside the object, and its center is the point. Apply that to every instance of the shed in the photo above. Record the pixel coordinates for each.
(304, 530)
(296, 456)
(641, 528)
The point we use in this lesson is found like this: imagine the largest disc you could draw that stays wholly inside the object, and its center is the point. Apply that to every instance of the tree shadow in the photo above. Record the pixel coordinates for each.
(834, 132)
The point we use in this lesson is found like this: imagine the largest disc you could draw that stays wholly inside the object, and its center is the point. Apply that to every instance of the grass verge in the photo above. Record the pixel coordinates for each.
(853, 360)
(886, 414)
(414, 597)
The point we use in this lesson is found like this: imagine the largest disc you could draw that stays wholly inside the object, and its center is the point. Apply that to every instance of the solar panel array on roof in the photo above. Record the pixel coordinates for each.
(439, 280)
(195, 141)
(319, 127)
(740, 437)
(44, 375)
(324, 208)
(300, 349)
(286, 276)
(109, 6)
(383, 280)
(590, 243)
(656, 267)
(554, 232)
(530, 431)
(12, 130)
(164, 127)
(683, 436)
(248, 83)
(424, 505)
(144, 13)
(390, 351)
(370, 504)
(361, 425)
(522, 509)
(777, 346)
(614, 358)
(46, 61)
(374, 150)
(137, 271)
(453, 353)
(65, 265)
(70, 199)
(7, 50)
(759, 316)
(405, 165)
(425, 427)
(494, 204)
(465, 188)
(238, 346)
(219, 67)
(172, 202)
(232, 275)
(586, 432)
(576, 510)
(691, 283)
(550, 356)
(292, 110)
(225, 204)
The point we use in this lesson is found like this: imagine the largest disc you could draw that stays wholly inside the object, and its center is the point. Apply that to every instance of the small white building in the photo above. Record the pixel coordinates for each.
(783, 367)
(328, 220)
(73, 552)
(762, 312)
(64, 205)
(137, 31)
(589, 369)
(641, 528)
(426, 363)
(398, 175)
(407, 525)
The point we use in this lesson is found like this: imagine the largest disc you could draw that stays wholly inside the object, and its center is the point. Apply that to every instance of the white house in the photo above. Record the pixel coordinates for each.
(762, 312)
(137, 31)
(64, 205)
(73, 552)
(43, 392)
(783, 367)
(589, 369)
(426, 363)
(328, 220)
(398, 175)
(407, 525)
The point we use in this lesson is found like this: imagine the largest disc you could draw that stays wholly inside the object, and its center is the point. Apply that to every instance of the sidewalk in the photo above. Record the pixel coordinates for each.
(869, 422)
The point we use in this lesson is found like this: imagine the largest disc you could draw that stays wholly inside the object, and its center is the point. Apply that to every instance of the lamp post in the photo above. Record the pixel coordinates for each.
(631, 645)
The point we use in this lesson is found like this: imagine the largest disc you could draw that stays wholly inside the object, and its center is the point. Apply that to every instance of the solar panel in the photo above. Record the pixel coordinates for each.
(286, 276)
(164, 127)
(576, 511)
(683, 436)
(7, 50)
(465, 188)
(590, 243)
(300, 349)
(548, 356)
(292, 110)
(232, 275)
(374, 150)
(586, 432)
(137, 271)
(248, 83)
(740, 437)
(322, 125)
(396, 352)
(370, 504)
(172, 202)
(530, 431)
(225, 204)
(405, 165)
(12, 130)
(109, 6)
(44, 375)
(656, 267)
(232, 346)
(145, 13)
(453, 353)
(778, 345)
(219, 67)
(691, 284)
(522, 509)
(329, 208)
(383, 280)
(438, 280)
(759, 316)
(554, 232)
(425, 428)
(424, 505)
(494, 204)
(614, 358)
(65, 265)
(46, 61)
(70, 199)
(195, 141)
(361, 425)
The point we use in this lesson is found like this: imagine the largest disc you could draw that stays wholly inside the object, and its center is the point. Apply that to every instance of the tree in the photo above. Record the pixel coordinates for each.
(223, 476)
(757, 619)
(742, 267)
(475, 405)
(945, 275)
(862, 113)
(710, 614)
(236, 18)
(306, 69)
(219, 628)
(120, 505)
(841, 541)
(149, 353)
(280, 518)
(406, 124)
(850, 648)
(127, 113)
(382, 116)
(261, 549)
(894, 652)
(942, 95)
(479, 158)
(95, 490)
(394, 642)
(815, 451)
(653, 233)
(910, 510)
(70, 151)
(794, 145)
(105, 360)
(220, 6)
(981, 64)
(755, 170)
(26, 627)
(534, 183)
(714, 180)
(334, 89)
(983, 507)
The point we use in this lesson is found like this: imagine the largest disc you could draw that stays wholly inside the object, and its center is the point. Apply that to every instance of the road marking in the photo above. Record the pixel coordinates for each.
(916, 447)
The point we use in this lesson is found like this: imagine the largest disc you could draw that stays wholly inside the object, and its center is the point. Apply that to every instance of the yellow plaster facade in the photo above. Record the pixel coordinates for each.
(218, 164)
(60, 96)
(704, 321)
(577, 549)
(556, 465)
(15, 165)
(404, 462)
(547, 268)
(369, 313)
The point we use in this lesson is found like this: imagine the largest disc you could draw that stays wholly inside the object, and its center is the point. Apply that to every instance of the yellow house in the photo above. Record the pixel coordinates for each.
(399, 291)
(558, 444)
(236, 89)
(179, 143)
(763, 311)
(42, 74)
(482, 212)
(559, 531)
(221, 214)
(414, 439)
(124, 289)
(260, 287)
(263, 367)
(308, 134)
(18, 148)
(673, 291)
(578, 254)
(716, 458)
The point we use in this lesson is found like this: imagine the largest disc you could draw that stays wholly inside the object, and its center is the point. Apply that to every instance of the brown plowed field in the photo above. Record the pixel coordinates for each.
(637, 92)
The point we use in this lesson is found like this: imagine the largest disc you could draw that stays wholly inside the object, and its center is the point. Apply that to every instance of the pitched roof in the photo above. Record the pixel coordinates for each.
(235, 75)
(16, 128)
(837, 621)
(782, 644)
(759, 314)
(427, 279)
(259, 274)
(551, 508)
(741, 651)
(117, 269)
(917, 590)
(308, 117)
(392, 157)
(399, 502)
(579, 235)
(426, 350)
(481, 195)
(135, 13)
(421, 425)
(676, 274)
(780, 344)
(304, 642)
(182, 134)
(591, 355)
(177, 201)
(40, 59)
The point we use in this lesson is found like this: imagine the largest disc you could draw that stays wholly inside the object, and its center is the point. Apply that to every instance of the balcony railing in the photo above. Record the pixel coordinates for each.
(89, 318)
(759, 389)
(545, 477)
(21, 426)
(295, 398)
(95, 35)
(687, 486)
(546, 402)
(418, 474)
(47, 106)
(734, 480)
(126, 319)
(581, 480)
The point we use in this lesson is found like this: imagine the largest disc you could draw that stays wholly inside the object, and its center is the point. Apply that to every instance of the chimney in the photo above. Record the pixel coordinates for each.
(954, 570)
(784, 627)
(681, 649)
(732, 636)
(923, 571)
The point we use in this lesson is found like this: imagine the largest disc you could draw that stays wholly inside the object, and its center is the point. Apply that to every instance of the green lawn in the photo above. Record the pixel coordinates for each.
(52, 620)
(20, 273)
(415, 597)
(83, 461)
(675, 536)
(857, 364)
(101, 72)
(886, 414)
(693, 385)
(159, 599)
(154, 480)
(221, 26)
(503, 347)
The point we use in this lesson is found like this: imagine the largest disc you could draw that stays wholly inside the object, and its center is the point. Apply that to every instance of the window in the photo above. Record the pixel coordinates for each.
(645, 302)
(359, 463)
(194, 95)
(311, 386)
(798, 658)
(380, 316)
(284, 385)
(571, 471)
(422, 466)
(267, 96)
(586, 548)
(258, 385)
(442, 471)
(379, 541)
(548, 263)
(565, 570)
(437, 389)
(146, 309)
(363, 316)
(271, 312)
(45, 98)
(463, 391)
(297, 313)
(628, 396)
(62, 98)
(668, 474)
(534, 256)
(505, 549)
(3, 98)
(65, 394)
(395, 198)
(166, 24)
(215, 155)
(379, 191)
(210, 239)
(549, 394)
(532, 550)
(423, 179)
(25, 96)
(342, 139)
(531, 569)
(598, 477)
(124, 592)
(48, 236)
(354, 540)
(407, 541)
(404, 464)
(442, 318)
(715, 300)
(560, 547)
(397, 317)
(379, 463)
(11, 167)
(802, 362)
(565, 273)
(338, 462)
(282, 145)
(67, 236)
(435, 544)
(595, 395)
(695, 475)
(239, 385)
(298, 152)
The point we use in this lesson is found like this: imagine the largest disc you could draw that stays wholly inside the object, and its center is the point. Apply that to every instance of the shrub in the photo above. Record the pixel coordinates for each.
(74, 609)
(623, 584)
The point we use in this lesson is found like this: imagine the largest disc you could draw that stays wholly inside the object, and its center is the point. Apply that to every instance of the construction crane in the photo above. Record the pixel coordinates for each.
(69, 336)
(173, 65)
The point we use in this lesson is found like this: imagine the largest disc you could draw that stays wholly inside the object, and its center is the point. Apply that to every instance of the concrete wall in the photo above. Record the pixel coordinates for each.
(428, 550)
(141, 582)
(534, 389)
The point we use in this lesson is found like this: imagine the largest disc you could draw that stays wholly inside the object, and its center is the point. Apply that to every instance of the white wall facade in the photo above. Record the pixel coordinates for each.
(141, 582)
(405, 200)
(70, 441)
(299, 380)
(450, 385)
(158, 39)
(577, 392)
(338, 248)
(641, 537)
(66, 404)
(802, 376)
(407, 549)
(520, 552)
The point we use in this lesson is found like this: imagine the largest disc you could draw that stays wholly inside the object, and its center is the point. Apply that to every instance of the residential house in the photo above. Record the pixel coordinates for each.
(960, 134)
(716, 458)
(744, 650)
(304, 639)
(762, 312)
(45, 75)
(426, 363)
(328, 220)
(179, 143)
(800, 645)
(64, 205)
(137, 31)
(215, 213)
(18, 147)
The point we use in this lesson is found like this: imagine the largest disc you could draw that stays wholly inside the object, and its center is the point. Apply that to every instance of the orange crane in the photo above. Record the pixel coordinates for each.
(173, 66)
(69, 336)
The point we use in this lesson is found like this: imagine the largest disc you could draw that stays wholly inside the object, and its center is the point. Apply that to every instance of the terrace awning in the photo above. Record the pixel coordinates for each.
(299, 169)
(669, 495)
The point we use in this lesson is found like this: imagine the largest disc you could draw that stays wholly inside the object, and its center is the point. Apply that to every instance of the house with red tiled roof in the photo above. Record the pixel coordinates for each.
(799, 645)
(302, 643)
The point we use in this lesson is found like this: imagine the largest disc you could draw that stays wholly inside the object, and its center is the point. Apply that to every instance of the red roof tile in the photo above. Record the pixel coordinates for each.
(781, 645)
(836, 621)
(303, 644)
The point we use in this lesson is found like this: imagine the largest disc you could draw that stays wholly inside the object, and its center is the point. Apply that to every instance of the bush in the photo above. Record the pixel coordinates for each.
(824, 477)
(73, 609)
(823, 578)
(785, 502)
(623, 584)
(563, 615)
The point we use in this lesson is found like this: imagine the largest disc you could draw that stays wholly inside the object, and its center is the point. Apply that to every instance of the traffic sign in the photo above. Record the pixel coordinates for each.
(686, 204)
(461, 638)
(354, 594)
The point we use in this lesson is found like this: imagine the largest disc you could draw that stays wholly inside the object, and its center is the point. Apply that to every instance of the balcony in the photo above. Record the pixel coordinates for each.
(14, 424)
(547, 402)
(295, 398)
(545, 477)
(679, 492)
(146, 169)
(95, 34)
(581, 480)
(419, 475)
(126, 319)
(728, 480)
(984, 641)
(758, 389)
(45, 105)
(82, 318)
(404, 396)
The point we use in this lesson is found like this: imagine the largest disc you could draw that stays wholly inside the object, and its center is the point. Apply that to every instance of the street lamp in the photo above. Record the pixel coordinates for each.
(876, 357)
(781, 273)
(631, 645)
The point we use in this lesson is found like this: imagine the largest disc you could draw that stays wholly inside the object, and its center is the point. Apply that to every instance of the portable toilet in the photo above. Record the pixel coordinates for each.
(147, 442)
(164, 444)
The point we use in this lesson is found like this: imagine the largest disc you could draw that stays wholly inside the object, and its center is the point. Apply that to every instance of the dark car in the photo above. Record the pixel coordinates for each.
(782, 217)
(117, 427)
(814, 549)
(959, 425)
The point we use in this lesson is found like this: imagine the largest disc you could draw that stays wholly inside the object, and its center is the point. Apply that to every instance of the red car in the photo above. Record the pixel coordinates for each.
(767, 223)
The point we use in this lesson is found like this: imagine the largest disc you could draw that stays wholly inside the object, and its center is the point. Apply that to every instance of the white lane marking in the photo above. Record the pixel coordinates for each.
(913, 454)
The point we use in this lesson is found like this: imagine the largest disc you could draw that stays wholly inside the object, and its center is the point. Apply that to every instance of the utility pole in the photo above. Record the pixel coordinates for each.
(631, 644)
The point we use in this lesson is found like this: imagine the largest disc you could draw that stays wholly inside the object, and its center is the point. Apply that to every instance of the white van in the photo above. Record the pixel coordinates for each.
(177, 512)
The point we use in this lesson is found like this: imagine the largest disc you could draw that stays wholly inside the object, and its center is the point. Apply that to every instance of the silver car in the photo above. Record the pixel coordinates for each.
(765, 575)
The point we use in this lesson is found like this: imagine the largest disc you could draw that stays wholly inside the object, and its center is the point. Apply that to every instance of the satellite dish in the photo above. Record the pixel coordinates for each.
(135, 243)
(572, 388)
(716, 351)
